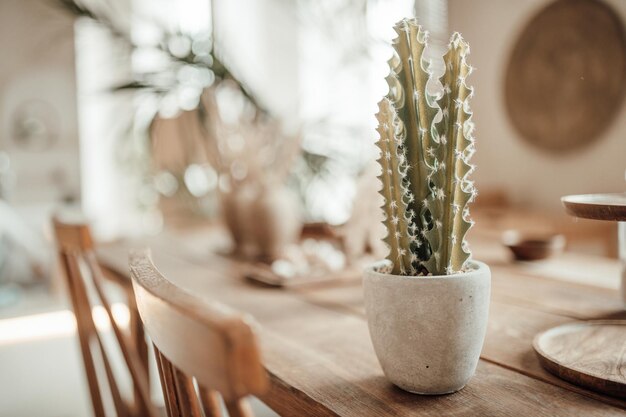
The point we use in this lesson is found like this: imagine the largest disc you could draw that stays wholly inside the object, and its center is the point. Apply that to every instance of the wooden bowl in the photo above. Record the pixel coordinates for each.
(597, 206)
(533, 247)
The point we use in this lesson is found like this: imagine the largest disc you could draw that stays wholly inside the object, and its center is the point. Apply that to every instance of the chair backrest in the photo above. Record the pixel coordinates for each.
(84, 283)
(200, 340)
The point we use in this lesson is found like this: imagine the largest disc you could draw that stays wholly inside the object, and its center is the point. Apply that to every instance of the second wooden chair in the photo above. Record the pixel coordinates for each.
(85, 285)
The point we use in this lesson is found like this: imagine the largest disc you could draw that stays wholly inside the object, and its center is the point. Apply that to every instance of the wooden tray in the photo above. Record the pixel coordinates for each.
(596, 206)
(262, 273)
(591, 354)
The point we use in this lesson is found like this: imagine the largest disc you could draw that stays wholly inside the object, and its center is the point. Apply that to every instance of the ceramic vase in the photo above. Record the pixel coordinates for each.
(262, 220)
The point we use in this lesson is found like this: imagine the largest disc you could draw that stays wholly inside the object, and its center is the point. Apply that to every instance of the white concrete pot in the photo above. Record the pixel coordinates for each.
(428, 331)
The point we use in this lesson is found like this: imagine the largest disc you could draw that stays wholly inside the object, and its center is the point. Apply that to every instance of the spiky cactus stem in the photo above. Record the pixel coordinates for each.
(400, 231)
(416, 108)
(451, 191)
(426, 142)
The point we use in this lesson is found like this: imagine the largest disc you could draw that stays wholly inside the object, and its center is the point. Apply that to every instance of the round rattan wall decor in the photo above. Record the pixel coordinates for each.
(567, 74)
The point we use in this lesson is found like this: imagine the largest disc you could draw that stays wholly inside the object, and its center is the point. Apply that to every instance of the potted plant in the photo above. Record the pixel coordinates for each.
(427, 304)
(253, 155)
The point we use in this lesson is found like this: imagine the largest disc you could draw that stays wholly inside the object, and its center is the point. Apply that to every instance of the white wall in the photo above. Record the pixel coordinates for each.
(37, 71)
(258, 39)
(504, 159)
(109, 190)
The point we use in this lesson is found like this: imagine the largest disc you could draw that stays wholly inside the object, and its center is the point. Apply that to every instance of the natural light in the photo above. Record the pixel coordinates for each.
(56, 324)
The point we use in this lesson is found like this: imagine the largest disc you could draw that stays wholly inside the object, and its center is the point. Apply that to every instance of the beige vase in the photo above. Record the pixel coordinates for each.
(262, 220)
(428, 331)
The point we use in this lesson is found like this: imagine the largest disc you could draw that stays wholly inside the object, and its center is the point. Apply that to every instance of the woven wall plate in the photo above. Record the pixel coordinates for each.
(567, 74)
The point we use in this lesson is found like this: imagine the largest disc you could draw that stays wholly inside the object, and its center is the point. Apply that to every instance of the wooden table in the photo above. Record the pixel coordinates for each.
(317, 350)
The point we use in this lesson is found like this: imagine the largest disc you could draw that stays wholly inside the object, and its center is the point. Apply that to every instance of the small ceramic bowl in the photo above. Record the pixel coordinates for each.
(533, 247)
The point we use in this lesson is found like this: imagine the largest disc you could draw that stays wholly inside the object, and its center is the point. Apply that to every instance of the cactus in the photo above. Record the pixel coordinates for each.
(397, 197)
(426, 142)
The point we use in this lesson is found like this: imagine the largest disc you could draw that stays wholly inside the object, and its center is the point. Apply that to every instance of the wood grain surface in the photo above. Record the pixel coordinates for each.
(317, 351)
(591, 354)
(567, 74)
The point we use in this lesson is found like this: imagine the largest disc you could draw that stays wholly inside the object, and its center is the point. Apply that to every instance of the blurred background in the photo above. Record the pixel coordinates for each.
(152, 115)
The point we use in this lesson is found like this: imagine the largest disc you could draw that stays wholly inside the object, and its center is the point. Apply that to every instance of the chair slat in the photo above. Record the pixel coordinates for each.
(239, 408)
(188, 400)
(166, 377)
(121, 408)
(84, 332)
(211, 403)
(135, 366)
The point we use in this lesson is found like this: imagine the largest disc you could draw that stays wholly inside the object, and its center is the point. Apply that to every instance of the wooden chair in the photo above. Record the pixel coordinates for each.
(197, 340)
(84, 280)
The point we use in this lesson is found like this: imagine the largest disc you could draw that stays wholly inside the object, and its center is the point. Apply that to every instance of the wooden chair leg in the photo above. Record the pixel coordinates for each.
(239, 408)
(211, 403)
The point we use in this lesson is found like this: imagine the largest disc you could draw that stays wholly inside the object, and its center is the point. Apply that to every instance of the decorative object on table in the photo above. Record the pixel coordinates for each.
(361, 235)
(427, 304)
(253, 157)
(590, 354)
(311, 261)
(533, 247)
(317, 257)
(611, 207)
(262, 219)
(566, 78)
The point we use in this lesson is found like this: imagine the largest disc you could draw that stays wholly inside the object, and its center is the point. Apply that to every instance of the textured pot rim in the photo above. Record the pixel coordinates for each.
(480, 269)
